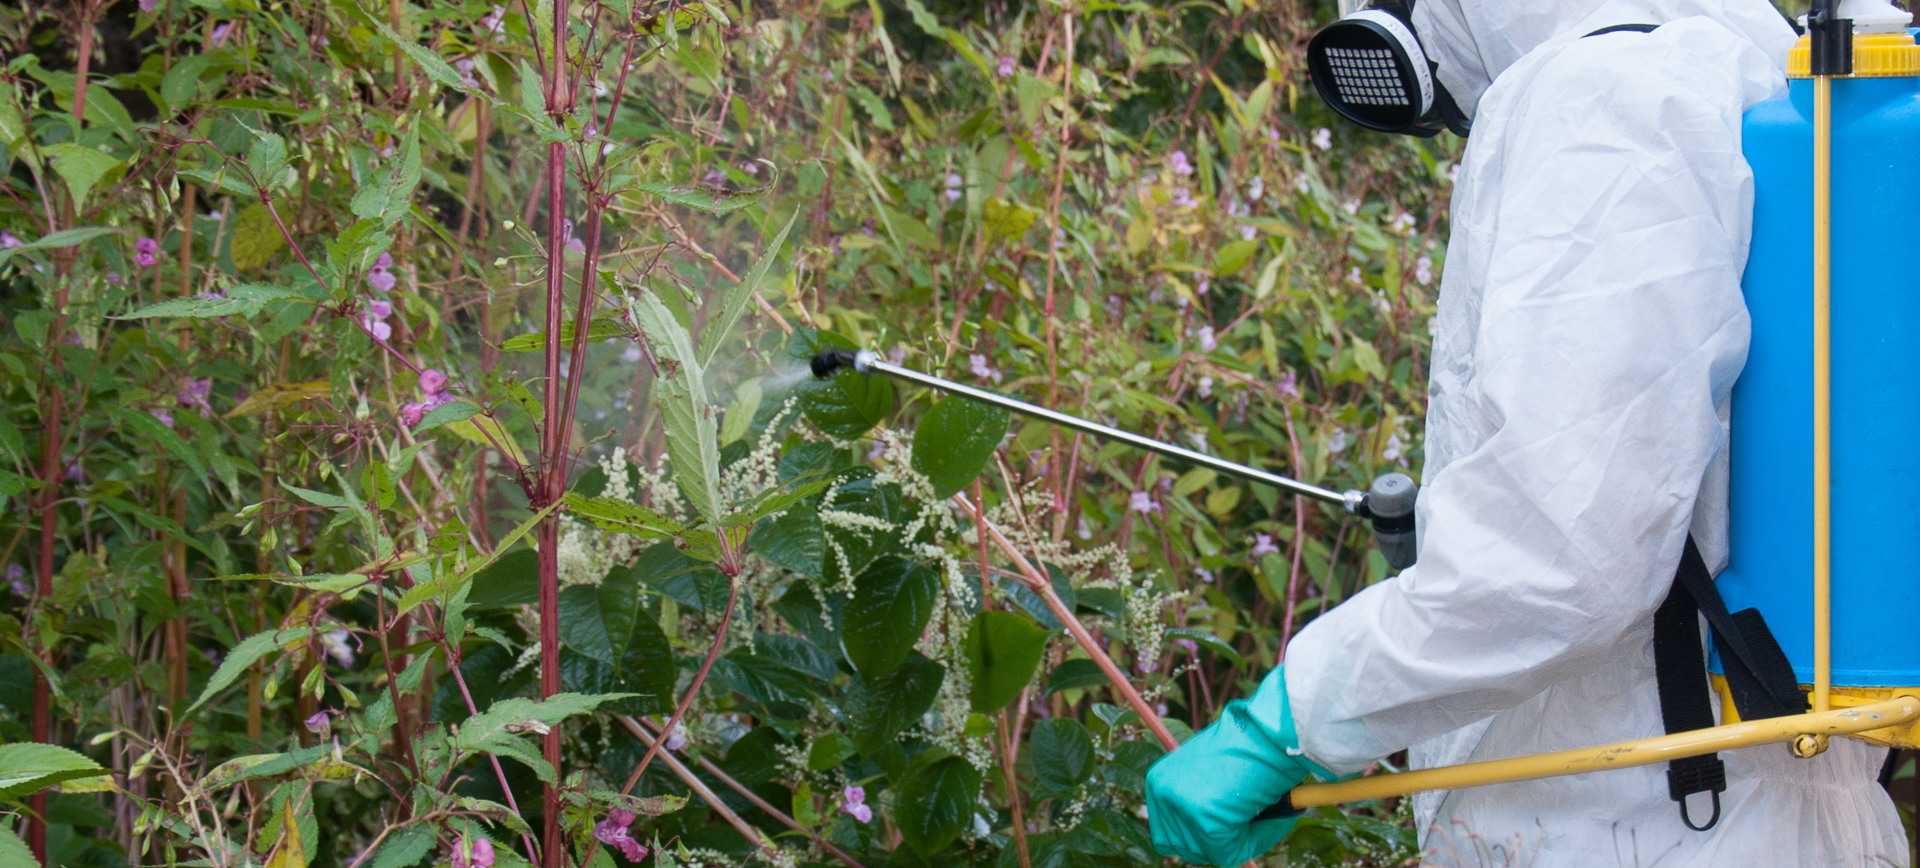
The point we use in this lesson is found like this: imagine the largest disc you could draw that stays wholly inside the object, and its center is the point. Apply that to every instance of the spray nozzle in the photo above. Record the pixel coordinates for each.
(1388, 504)
(829, 362)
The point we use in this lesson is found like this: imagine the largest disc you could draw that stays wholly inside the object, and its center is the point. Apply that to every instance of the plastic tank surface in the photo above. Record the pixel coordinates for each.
(1876, 383)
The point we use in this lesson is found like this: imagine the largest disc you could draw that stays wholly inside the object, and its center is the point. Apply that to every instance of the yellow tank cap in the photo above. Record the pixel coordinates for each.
(1875, 55)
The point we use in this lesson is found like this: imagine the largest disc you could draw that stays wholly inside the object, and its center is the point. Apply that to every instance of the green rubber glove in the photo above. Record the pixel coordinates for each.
(1201, 799)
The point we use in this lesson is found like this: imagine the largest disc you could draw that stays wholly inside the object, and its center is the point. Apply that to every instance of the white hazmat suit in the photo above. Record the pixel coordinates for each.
(1590, 330)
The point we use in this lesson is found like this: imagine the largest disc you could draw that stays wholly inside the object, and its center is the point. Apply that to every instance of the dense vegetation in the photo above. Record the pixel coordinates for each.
(337, 538)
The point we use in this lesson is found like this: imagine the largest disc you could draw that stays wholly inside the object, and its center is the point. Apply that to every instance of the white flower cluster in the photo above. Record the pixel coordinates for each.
(586, 553)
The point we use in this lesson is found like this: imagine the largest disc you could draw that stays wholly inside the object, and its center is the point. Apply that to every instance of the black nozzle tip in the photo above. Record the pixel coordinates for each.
(829, 362)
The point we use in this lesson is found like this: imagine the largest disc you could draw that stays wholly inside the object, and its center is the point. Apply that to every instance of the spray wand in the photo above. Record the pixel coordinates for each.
(1387, 504)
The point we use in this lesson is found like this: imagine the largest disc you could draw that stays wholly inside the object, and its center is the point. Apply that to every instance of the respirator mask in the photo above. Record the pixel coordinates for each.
(1370, 67)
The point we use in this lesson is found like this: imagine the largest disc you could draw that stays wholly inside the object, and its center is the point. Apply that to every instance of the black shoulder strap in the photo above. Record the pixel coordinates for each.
(1757, 672)
(1624, 28)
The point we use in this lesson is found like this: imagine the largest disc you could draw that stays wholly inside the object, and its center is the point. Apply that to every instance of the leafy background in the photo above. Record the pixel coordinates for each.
(337, 538)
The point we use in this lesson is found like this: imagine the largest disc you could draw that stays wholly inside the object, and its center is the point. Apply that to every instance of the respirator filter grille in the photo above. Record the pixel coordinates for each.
(1367, 76)
(1369, 67)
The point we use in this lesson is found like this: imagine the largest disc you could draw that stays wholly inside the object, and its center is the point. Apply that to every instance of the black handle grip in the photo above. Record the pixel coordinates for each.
(1280, 811)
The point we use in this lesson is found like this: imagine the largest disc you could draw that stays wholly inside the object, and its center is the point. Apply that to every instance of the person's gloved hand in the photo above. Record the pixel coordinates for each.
(1201, 799)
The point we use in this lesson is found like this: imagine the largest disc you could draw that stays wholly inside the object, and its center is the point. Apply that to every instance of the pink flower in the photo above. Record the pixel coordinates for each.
(1263, 545)
(472, 853)
(678, 740)
(195, 393)
(1289, 385)
(220, 33)
(166, 418)
(853, 803)
(954, 183)
(432, 381)
(1181, 167)
(1006, 67)
(613, 832)
(375, 319)
(1247, 233)
(320, 724)
(1142, 502)
(1323, 138)
(381, 279)
(146, 253)
(411, 414)
(1207, 340)
(8, 241)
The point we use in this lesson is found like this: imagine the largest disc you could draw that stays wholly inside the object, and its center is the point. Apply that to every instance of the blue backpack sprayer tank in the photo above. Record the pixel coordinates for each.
(1822, 414)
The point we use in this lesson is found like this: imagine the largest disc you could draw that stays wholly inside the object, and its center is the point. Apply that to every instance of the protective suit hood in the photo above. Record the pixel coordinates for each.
(1473, 41)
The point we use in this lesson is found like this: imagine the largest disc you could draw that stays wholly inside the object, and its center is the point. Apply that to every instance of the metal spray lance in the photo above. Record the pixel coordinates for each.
(1387, 504)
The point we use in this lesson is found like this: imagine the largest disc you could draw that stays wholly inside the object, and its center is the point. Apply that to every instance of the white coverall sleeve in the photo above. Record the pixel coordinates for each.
(1610, 329)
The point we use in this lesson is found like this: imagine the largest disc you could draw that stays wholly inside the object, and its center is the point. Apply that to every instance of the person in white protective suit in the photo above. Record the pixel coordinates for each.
(1590, 330)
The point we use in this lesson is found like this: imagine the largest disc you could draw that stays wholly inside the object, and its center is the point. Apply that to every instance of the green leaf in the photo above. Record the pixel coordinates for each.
(603, 327)
(243, 655)
(878, 709)
(615, 644)
(755, 758)
(846, 406)
(221, 181)
(63, 238)
(892, 601)
(1003, 649)
(936, 803)
(1062, 752)
(955, 440)
(734, 304)
(14, 853)
(739, 417)
(1233, 256)
(795, 541)
(1000, 219)
(498, 729)
(693, 441)
(242, 300)
(1213, 643)
(607, 513)
(146, 426)
(1077, 674)
(405, 848)
(445, 414)
(430, 63)
(713, 200)
(830, 750)
(81, 167)
(256, 238)
(29, 767)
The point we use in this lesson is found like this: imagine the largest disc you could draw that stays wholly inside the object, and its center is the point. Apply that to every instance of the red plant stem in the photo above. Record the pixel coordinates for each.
(582, 323)
(1299, 545)
(51, 470)
(754, 798)
(551, 475)
(50, 474)
(713, 653)
(1044, 588)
